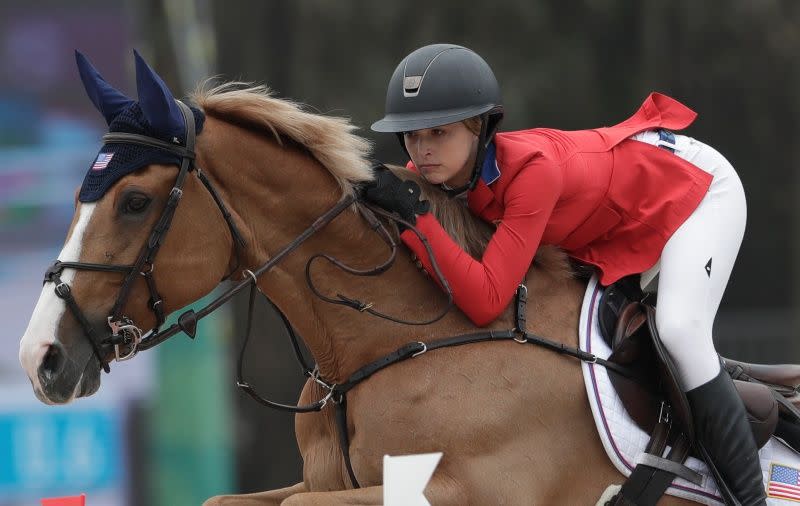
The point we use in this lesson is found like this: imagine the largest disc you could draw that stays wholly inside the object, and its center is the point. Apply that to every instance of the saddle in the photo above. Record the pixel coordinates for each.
(653, 398)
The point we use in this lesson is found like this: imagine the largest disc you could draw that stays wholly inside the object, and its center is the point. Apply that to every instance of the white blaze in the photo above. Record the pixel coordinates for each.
(41, 331)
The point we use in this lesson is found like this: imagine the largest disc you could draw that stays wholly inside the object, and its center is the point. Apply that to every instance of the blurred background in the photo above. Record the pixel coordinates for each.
(169, 428)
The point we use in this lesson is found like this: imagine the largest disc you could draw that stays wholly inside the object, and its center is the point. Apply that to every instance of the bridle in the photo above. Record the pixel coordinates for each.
(128, 339)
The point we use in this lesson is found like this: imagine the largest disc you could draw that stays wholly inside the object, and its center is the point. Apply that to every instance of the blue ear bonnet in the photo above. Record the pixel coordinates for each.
(118, 160)
(155, 115)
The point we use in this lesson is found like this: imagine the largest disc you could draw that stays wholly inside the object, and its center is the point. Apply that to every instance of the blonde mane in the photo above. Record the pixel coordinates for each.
(331, 141)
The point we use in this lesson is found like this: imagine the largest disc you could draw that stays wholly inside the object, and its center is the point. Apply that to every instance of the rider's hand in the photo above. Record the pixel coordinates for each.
(393, 194)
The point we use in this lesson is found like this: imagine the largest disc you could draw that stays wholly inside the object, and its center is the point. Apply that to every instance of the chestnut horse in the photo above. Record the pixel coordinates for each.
(512, 420)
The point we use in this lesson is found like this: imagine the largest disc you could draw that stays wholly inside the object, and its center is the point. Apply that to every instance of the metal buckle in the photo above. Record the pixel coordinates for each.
(327, 398)
(252, 276)
(315, 376)
(521, 337)
(148, 272)
(423, 350)
(62, 289)
(131, 334)
(664, 415)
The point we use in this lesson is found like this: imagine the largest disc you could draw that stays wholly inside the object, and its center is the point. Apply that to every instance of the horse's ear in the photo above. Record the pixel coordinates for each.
(157, 102)
(105, 97)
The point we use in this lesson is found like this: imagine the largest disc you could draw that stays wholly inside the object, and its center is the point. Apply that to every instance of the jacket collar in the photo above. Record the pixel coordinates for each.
(490, 171)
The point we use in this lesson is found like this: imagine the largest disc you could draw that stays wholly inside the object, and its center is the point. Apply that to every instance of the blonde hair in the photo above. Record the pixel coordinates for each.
(473, 124)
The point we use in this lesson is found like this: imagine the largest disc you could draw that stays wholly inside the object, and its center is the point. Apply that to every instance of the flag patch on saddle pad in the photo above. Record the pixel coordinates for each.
(103, 159)
(784, 482)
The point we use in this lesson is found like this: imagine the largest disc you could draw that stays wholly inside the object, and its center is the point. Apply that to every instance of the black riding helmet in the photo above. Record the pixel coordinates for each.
(441, 84)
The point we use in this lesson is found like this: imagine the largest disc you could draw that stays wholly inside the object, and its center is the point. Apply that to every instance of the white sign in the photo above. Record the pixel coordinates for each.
(405, 478)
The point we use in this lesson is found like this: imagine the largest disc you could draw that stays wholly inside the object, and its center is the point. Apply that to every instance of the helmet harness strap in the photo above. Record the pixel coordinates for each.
(490, 121)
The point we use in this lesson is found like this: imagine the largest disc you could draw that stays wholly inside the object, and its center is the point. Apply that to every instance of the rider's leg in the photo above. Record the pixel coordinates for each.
(695, 266)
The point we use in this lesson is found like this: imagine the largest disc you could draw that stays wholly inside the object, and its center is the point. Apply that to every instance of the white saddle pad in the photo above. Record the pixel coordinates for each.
(624, 441)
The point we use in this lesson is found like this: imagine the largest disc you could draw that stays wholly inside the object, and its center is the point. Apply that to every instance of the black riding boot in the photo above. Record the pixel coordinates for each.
(722, 428)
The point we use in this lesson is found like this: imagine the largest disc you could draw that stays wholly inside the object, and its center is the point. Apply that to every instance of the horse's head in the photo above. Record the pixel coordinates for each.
(107, 275)
(280, 169)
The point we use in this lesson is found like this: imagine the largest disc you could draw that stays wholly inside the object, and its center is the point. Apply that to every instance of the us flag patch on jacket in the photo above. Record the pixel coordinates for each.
(784, 483)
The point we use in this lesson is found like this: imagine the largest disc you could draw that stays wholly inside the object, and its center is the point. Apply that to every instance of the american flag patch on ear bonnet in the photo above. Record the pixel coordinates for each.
(102, 161)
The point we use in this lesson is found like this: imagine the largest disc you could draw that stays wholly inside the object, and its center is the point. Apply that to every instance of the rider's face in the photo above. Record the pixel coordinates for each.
(443, 154)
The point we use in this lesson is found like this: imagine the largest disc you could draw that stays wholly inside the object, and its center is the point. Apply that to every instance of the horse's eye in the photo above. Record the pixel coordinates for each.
(136, 204)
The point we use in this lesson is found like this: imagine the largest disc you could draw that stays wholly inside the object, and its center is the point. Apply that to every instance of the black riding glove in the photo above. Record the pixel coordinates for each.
(393, 194)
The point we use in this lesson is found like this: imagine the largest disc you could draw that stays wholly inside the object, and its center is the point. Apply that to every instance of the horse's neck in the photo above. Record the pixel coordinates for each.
(275, 194)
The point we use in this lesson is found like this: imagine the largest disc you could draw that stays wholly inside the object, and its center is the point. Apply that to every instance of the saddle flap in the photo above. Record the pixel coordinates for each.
(639, 348)
(631, 347)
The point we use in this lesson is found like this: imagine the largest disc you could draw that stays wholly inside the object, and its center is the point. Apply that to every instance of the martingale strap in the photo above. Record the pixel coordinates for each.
(248, 388)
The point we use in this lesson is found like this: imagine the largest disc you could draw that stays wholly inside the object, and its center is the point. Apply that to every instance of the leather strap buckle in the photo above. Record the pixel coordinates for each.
(62, 290)
(423, 350)
(664, 413)
(519, 314)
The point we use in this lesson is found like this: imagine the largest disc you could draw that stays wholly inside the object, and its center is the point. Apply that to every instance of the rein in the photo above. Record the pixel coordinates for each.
(368, 212)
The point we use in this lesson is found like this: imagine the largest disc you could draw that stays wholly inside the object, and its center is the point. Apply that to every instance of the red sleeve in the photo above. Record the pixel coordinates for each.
(483, 289)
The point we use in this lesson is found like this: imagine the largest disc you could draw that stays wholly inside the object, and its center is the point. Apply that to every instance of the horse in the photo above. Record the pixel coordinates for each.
(512, 420)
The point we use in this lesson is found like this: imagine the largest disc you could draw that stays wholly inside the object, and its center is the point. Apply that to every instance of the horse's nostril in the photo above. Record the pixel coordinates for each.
(52, 363)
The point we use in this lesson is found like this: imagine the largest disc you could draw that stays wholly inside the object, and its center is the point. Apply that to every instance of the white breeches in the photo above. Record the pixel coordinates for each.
(696, 264)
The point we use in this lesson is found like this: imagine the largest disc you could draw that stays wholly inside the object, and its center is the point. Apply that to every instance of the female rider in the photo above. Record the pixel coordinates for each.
(620, 198)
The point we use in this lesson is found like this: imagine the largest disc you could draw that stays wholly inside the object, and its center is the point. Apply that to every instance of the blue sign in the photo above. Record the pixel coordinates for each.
(55, 451)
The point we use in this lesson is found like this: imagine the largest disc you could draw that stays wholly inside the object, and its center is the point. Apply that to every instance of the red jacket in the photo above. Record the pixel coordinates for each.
(603, 198)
